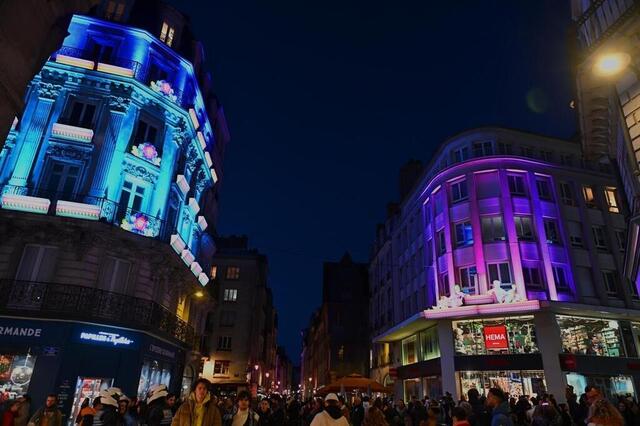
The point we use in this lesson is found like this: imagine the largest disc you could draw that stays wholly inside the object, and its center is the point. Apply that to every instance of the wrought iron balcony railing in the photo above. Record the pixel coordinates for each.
(602, 18)
(64, 301)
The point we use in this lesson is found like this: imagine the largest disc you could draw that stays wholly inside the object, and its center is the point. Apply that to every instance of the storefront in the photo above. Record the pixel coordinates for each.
(514, 382)
(511, 335)
(77, 360)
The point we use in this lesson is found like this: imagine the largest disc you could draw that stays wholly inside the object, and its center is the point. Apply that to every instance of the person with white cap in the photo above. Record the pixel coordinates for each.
(332, 413)
(158, 412)
(108, 415)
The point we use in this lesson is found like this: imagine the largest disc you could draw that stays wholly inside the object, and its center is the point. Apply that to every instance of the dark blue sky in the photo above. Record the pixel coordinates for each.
(327, 99)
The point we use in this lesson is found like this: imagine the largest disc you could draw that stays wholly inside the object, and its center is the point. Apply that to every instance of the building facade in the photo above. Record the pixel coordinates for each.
(242, 331)
(336, 342)
(109, 199)
(495, 264)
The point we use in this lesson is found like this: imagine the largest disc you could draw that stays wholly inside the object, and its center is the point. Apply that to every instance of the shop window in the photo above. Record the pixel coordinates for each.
(560, 277)
(610, 198)
(17, 371)
(589, 196)
(230, 295)
(227, 318)
(492, 229)
(499, 272)
(516, 185)
(224, 343)
(482, 149)
(621, 239)
(430, 347)
(409, 351)
(464, 234)
(80, 114)
(610, 280)
(221, 367)
(524, 228)
(468, 279)
(114, 276)
(514, 383)
(551, 229)
(442, 244)
(531, 274)
(459, 191)
(167, 33)
(511, 335)
(461, 154)
(599, 238)
(153, 373)
(37, 263)
(566, 194)
(575, 234)
(590, 336)
(233, 273)
(544, 189)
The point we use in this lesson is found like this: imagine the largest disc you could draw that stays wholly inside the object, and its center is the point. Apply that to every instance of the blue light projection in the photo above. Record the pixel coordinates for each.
(114, 125)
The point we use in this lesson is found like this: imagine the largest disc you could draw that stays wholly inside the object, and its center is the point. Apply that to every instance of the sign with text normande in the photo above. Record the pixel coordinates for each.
(495, 337)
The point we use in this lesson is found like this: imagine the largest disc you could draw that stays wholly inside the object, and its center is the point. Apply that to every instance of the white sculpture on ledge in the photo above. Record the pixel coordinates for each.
(501, 295)
(453, 301)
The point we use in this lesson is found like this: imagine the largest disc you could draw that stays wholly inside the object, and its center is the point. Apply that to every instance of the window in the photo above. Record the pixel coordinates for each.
(515, 335)
(167, 33)
(230, 294)
(599, 238)
(464, 234)
(430, 344)
(621, 239)
(546, 156)
(469, 280)
(60, 179)
(227, 318)
(610, 197)
(131, 199)
(575, 234)
(233, 273)
(531, 276)
(81, 114)
(481, 149)
(560, 277)
(544, 189)
(409, 351)
(524, 228)
(443, 285)
(224, 343)
(610, 280)
(214, 272)
(442, 244)
(221, 367)
(459, 191)
(516, 185)
(38, 263)
(526, 151)
(566, 194)
(101, 52)
(566, 159)
(590, 336)
(341, 353)
(492, 229)
(114, 276)
(114, 10)
(505, 148)
(146, 132)
(589, 197)
(461, 154)
(499, 272)
(551, 229)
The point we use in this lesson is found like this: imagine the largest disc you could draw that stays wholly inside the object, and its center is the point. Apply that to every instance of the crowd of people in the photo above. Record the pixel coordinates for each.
(202, 408)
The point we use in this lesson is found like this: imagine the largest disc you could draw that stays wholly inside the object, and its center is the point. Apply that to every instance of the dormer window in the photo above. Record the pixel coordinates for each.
(167, 33)
(115, 10)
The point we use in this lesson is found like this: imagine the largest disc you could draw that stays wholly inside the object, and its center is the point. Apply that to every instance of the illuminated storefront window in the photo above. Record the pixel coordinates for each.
(409, 350)
(15, 374)
(153, 373)
(429, 347)
(514, 382)
(611, 386)
(590, 336)
(513, 335)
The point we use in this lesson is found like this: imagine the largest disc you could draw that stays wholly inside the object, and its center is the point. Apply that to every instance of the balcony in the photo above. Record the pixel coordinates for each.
(71, 302)
(123, 67)
(602, 19)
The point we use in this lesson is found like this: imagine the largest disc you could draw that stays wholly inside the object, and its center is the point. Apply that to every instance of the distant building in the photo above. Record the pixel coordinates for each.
(284, 371)
(242, 330)
(335, 344)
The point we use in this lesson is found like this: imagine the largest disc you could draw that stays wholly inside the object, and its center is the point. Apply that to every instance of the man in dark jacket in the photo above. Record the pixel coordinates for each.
(49, 415)
(277, 412)
(357, 412)
(159, 413)
(500, 411)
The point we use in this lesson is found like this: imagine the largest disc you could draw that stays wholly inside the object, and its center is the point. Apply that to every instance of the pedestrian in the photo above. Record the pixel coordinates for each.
(497, 402)
(332, 414)
(123, 411)
(158, 412)
(459, 416)
(375, 416)
(86, 414)
(545, 415)
(357, 412)
(264, 411)
(345, 409)
(171, 403)
(199, 409)
(245, 416)
(10, 412)
(278, 416)
(228, 411)
(109, 415)
(23, 411)
(49, 415)
(605, 414)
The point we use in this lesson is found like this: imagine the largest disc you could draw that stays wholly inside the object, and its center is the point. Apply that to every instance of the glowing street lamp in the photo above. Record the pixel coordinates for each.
(256, 367)
(610, 64)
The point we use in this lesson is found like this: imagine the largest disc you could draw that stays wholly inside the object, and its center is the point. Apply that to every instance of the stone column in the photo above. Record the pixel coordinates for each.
(118, 107)
(550, 345)
(447, 353)
(47, 94)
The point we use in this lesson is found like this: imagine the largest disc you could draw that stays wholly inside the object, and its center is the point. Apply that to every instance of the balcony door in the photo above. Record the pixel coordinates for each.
(131, 199)
(61, 180)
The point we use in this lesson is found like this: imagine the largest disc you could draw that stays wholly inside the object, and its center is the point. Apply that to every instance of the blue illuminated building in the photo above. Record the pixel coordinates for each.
(110, 184)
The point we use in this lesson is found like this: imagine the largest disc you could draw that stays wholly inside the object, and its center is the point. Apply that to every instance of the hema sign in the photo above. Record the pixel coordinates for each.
(495, 337)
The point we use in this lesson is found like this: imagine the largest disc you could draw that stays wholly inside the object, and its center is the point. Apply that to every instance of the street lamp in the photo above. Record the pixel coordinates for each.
(610, 64)
(256, 367)
(198, 294)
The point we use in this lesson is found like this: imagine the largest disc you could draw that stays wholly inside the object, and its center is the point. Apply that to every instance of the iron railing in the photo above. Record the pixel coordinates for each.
(141, 71)
(64, 301)
(110, 212)
(602, 18)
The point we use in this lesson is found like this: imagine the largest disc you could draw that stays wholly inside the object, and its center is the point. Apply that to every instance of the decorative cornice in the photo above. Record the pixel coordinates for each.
(119, 103)
(49, 91)
(139, 172)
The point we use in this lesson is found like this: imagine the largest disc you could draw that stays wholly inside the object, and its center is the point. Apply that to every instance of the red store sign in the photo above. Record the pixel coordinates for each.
(495, 337)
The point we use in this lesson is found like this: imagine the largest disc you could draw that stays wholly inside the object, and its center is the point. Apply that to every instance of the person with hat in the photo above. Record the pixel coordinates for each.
(109, 415)
(332, 413)
(123, 411)
(199, 409)
(158, 411)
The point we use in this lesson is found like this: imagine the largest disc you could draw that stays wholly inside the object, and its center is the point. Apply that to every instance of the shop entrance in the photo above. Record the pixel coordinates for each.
(87, 387)
(412, 389)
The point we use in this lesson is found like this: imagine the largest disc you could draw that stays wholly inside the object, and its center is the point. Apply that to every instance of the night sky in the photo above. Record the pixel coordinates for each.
(327, 99)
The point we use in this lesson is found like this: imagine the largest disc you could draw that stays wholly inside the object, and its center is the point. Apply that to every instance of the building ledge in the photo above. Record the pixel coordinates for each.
(73, 133)
(404, 329)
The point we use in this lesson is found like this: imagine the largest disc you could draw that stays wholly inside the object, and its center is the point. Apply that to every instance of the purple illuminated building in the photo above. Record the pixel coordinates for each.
(502, 267)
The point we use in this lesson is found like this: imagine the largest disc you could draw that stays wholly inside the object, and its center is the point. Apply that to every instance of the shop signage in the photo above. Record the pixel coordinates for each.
(495, 337)
(103, 337)
(161, 351)
(20, 331)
